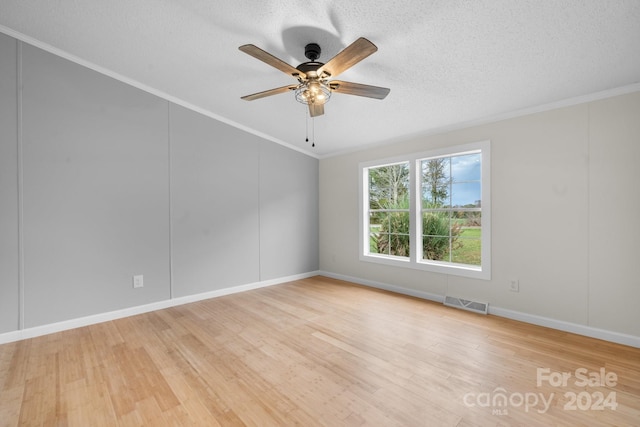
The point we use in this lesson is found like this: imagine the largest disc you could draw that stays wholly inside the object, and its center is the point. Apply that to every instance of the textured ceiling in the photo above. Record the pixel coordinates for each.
(448, 63)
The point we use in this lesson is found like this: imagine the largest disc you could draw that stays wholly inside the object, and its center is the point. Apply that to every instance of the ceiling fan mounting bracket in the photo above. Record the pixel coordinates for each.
(312, 51)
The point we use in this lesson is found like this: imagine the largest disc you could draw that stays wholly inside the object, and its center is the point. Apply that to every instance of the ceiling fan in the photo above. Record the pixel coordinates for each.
(315, 86)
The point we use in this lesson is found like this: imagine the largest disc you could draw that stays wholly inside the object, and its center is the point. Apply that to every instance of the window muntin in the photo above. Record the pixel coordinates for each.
(447, 206)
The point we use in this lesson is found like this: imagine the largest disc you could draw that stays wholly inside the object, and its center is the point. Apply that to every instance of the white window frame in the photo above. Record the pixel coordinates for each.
(414, 260)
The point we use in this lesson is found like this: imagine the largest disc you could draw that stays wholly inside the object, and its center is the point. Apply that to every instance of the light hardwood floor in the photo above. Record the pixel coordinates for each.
(316, 352)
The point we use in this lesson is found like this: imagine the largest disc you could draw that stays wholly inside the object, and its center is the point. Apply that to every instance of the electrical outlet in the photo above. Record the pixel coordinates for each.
(138, 281)
(514, 285)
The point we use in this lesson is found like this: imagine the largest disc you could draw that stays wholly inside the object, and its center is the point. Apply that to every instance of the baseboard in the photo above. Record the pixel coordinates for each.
(385, 286)
(560, 325)
(132, 311)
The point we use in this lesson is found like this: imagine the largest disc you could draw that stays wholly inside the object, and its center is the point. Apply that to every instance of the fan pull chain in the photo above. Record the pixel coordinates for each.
(313, 129)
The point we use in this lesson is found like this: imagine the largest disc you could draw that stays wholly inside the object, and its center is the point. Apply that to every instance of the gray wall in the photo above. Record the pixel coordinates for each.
(288, 203)
(118, 182)
(9, 296)
(96, 204)
(214, 203)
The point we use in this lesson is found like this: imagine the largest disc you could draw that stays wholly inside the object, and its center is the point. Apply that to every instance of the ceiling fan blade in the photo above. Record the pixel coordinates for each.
(347, 58)
(269, 92)
(358, 89)
(269, 59)
(316, 110)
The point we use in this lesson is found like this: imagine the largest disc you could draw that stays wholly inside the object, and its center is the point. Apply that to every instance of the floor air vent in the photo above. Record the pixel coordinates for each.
(475, 306)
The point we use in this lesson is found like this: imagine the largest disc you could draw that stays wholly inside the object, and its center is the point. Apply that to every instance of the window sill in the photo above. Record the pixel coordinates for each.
(470, 271)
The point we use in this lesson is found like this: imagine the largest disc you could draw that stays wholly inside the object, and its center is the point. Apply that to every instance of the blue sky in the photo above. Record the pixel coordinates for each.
(466, 172)
(466, 168)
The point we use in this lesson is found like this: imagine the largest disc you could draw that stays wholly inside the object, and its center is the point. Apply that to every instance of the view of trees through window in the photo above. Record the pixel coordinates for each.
(389, 210)
(450, 209)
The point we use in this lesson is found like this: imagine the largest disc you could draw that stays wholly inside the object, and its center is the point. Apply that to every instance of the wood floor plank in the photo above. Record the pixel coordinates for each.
(314, 352)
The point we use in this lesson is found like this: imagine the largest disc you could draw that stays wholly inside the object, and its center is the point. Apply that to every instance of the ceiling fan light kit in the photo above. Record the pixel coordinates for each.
(315, 86)
(313, 92)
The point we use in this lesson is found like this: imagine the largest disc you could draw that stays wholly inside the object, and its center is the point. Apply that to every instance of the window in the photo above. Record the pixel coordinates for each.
(389, 210)
(429, 211)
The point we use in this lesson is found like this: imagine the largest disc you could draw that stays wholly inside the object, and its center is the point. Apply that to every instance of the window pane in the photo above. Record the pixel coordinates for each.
(399, 245)
(466, 232)
(399, 222)
(373, 243)
(388, 186)
(468, 219)
(382, 244)
(468, 249)
(435, 224)
(435, 248)
(391, 244)
(378, 198)
(436, 228)
(466, 167)
(377, 220)
(435, 178)
(466, 194)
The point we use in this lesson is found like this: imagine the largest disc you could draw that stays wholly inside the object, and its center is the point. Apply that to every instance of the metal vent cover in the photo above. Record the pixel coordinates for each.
(475, 306)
